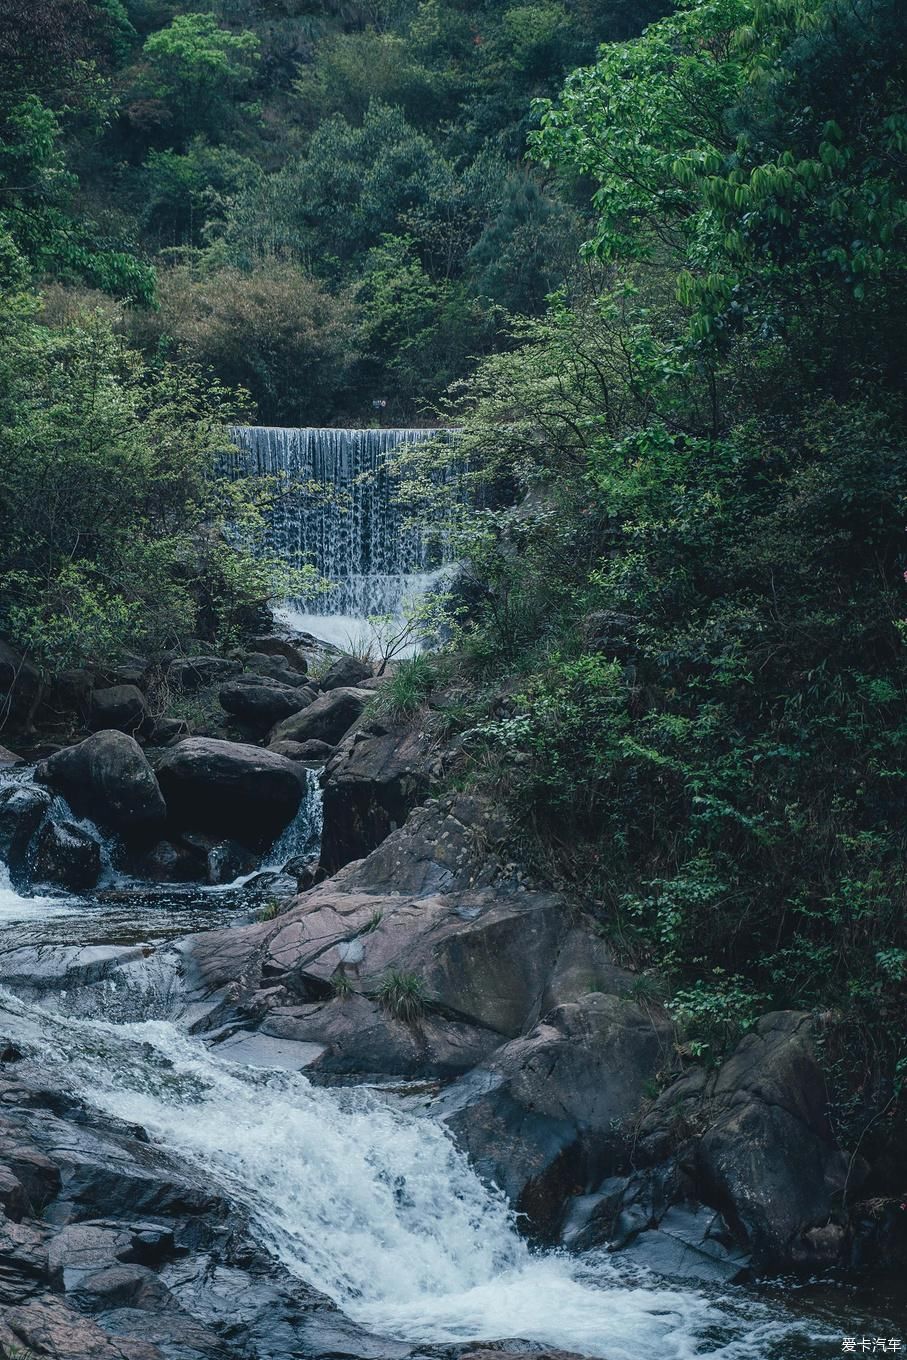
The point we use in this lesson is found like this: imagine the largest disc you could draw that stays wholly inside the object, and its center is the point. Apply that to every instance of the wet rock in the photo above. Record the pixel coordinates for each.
(197, 672)
(769, 1154)
(543, 1115)
(273, 645)
(121, 708)
(345, 672)
(493, 1353)
(278, 887)
(328, 719)
(23, 1259)
(135, 1259)
(68, 856)
(9, 758)
(371, 784)
(220, 861)
(259, 703)
(307, 871)
(49, 1327)
(233, 790)
(169, 862)
(356, 1036)
(310, 752)
(106, 777)
(691, 1242)
(753, 1141)
(22, 808)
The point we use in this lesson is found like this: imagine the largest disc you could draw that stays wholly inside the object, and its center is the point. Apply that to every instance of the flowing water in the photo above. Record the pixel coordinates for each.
(337, 511)
(375, 1207)
(362, 1196)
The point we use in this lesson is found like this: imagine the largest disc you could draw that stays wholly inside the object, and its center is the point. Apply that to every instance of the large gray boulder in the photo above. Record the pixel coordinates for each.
(259, 702)
(229, 788)
(344, 672)
(273, 668)
(447, 846)
(769, 1154)
(22, 809)
(371, 784)
(106, 777)
(272, 644)
(751, 1141)
(328, 719)
(120, 707)
(545, 1113)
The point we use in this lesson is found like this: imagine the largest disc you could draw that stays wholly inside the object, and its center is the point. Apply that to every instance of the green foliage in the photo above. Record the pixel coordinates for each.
(403, 995)
(410, 685)
(735, 135)
(714, 1013)
(273, 330)
(115, 531)
(355, 183)
(684, 543)
(430, 329)
(187, 194)
(195, 66)
(342, 985)
(244, 139)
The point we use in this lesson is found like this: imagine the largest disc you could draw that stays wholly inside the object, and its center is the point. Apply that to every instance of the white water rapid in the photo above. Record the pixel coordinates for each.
(376, 1208)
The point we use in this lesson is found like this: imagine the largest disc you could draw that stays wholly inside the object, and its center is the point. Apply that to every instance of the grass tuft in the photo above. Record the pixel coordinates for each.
(402, 995)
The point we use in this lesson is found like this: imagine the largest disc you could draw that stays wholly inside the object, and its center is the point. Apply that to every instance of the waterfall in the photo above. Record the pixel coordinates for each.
(336, 511)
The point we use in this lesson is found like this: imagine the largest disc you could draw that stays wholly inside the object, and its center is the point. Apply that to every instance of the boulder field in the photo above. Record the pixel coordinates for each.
(431, 959)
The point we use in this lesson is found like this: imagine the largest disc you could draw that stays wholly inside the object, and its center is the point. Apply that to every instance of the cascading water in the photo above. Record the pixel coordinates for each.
(336, 511)
(376, 1208)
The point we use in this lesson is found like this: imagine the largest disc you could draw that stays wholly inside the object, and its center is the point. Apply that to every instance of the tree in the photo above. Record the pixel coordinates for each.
(273, 331)
(115, 530)
(764, 147)
(196, 68)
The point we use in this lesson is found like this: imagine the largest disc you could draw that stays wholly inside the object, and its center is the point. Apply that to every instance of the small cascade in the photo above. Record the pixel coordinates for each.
(302, 838)
(337, 512)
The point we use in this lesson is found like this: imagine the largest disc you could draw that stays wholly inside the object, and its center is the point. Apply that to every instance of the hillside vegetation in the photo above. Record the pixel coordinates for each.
(666, 279)
(694, 605)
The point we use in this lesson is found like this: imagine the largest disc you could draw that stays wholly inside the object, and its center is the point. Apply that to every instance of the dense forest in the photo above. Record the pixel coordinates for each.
(652, 259)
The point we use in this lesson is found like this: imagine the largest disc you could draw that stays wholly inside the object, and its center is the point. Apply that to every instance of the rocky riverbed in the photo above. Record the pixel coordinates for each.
(250, 1110)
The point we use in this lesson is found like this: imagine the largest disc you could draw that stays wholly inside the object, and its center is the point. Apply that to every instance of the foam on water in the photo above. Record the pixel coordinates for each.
(14, 907)
(377, 1208)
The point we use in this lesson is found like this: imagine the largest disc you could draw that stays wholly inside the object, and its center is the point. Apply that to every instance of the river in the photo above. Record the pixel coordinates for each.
(358, 1191)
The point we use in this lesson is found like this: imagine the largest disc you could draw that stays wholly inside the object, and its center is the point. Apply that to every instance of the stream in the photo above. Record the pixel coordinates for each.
(355, 1190)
